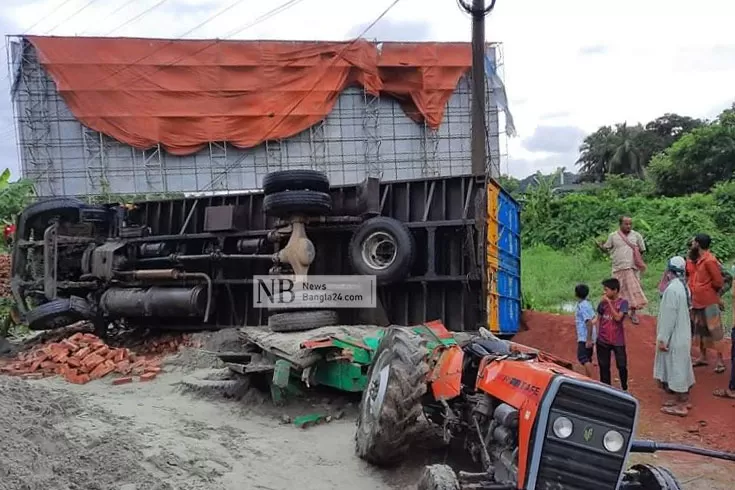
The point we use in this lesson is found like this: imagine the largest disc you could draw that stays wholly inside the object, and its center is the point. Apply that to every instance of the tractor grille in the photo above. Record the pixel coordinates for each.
(581, 462)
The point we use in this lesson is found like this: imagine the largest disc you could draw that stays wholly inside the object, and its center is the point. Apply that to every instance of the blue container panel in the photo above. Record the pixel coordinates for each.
(509, 273)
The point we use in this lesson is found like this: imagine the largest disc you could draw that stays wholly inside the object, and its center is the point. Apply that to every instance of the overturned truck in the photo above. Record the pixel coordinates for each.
(444, 247)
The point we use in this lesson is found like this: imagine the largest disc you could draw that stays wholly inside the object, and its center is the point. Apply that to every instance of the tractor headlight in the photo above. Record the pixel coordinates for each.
(613, 441)
(563, 427)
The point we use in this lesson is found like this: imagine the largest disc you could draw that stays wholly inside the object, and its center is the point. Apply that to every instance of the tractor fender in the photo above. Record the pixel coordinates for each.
(446, 377)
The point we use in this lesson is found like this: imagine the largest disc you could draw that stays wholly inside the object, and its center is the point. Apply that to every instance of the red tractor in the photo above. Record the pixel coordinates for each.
(525, 419)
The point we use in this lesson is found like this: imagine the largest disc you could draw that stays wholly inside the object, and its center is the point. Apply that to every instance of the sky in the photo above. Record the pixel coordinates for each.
(570, 66)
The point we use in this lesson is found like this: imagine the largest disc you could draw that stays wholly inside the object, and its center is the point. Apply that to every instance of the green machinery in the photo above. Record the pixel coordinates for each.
(338, 357)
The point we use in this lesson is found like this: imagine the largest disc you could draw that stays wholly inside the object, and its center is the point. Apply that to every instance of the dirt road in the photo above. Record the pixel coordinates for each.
(152, 436)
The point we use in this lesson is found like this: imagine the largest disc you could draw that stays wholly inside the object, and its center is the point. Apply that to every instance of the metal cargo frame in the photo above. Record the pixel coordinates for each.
(363, 136)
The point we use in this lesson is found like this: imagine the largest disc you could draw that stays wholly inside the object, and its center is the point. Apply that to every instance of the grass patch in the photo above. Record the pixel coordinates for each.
(548, 280)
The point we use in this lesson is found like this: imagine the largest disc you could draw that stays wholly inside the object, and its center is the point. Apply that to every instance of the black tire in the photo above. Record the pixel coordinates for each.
(297, 321)
(438, 477)
(37, 215)
(59, 313)
(221, 382)
(651, 477)
(382, 247)
(295, 180)
(304, 203)
(398, 375)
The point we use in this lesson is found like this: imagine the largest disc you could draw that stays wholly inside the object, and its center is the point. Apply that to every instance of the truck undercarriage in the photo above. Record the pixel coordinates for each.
(185, 262)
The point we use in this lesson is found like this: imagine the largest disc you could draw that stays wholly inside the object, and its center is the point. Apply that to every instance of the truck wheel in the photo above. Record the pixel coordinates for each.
(295, 180)
(438, 477)
(382, 247)
(304, 203)
(59, 313)
(649, 477)
(391, 401)
(302, 320)
(37, 215)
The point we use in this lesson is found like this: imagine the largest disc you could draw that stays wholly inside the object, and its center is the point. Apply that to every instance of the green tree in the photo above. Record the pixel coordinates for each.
(627, 159)
(697, 161)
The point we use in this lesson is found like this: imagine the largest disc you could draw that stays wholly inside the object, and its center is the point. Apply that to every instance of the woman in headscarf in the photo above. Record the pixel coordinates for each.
(673, 363)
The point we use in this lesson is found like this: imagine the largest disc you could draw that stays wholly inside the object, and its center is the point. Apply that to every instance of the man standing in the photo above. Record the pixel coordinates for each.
(672, 365)
(626, 247)
(705, 283)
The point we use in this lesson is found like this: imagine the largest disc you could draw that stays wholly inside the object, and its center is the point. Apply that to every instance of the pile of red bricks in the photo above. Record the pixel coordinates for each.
(84, 357)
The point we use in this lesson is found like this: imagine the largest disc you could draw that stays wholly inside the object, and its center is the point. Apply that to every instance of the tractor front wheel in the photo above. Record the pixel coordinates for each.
(649, 477)
(391, 402)
(438, 477)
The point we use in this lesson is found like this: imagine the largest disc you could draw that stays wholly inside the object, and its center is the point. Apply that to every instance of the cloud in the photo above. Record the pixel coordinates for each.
(8, 150)
(593, 50)
(554, 139)
(390, 30)
(555, 115)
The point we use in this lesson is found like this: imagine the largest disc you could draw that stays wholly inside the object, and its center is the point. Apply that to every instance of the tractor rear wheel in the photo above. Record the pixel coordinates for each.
(391, 402)
(438, 477)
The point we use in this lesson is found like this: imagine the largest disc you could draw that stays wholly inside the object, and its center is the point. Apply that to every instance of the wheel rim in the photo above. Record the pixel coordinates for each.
(379, 250)
(377, 386)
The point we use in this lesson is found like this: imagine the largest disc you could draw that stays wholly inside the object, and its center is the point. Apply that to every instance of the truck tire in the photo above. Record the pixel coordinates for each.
(37, 215)
(295, 180)
(59, 313)
(302, 320)
(391, 402)
(304, 203)
(438, 477)
(382, 247)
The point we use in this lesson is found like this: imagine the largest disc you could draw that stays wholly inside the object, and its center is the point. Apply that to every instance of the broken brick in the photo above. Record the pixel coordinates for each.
(48, 364)
(33, 376)
(123, 367)
(122, 381)
(148, 376)
(152, 369)
(102, 370)
(77, 336)
(35, 366)
(102, 351)
(70, 345)
(121, 355)
(82, 353)
(70, 374)
(74, 362)
(92, 361)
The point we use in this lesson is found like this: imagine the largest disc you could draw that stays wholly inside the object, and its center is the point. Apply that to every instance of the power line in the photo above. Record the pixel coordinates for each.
(155, 6)
(80, 10)
(122, 6)
(133, 63)
(334, 60)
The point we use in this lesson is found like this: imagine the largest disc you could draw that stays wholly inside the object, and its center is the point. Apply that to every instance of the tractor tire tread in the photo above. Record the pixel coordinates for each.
(388, 441)
(438, 477)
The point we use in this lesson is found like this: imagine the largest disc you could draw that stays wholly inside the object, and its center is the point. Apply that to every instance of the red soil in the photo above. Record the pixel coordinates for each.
(710, 423)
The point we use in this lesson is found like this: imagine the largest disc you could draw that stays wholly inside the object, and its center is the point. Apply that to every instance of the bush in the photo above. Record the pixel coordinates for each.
(571, 222)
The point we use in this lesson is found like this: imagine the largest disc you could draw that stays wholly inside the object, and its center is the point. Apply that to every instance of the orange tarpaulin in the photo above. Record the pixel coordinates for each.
(183, 94)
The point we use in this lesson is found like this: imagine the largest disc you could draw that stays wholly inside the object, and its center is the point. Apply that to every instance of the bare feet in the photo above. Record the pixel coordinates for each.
(720, 393)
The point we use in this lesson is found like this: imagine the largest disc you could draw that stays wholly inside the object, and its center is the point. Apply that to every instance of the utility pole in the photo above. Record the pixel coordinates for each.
(478, 11)
(479, 143)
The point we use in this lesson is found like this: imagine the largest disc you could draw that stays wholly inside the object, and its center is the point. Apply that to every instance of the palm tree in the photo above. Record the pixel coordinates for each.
(626, 159)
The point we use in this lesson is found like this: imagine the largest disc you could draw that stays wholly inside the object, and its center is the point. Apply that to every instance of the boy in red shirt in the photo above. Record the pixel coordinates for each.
(611, 312)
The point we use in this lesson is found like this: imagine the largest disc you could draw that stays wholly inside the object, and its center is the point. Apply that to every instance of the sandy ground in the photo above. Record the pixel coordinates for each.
(153, 436)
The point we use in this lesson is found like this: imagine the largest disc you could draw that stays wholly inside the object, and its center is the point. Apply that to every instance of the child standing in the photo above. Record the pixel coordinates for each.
(611, 312)
(584, 318)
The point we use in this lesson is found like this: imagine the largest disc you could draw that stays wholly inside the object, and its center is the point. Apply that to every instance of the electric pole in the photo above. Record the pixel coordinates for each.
(478, 11)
